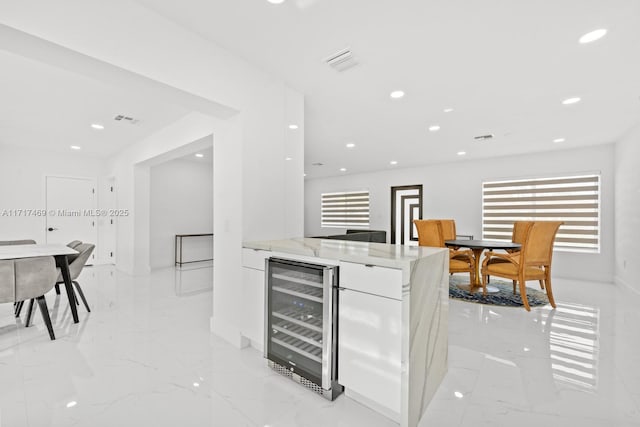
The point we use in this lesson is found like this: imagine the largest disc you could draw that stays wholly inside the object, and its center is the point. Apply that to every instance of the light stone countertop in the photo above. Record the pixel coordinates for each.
(30, 251)
(380, 254)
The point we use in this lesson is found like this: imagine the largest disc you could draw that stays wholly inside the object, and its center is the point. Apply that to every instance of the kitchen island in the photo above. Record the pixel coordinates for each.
(392, 317)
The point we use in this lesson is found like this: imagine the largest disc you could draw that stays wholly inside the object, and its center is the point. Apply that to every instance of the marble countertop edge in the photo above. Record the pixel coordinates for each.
(380, 254)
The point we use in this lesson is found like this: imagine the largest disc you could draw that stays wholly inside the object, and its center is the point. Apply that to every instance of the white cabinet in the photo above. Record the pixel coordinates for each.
(253, 306)
(253, 296)
(370, 338)
(372, 279)
(252, 258)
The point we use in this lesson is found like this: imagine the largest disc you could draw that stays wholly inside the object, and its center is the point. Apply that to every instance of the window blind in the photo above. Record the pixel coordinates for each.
(345, 209)
(572, 199)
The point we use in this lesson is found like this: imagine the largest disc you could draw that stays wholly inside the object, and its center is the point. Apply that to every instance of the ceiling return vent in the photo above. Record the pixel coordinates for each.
(483, 137)
(125, 119)
(342, 60)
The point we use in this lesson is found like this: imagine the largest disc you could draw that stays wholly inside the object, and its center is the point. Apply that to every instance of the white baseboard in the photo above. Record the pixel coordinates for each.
(620, 282)
(389, 413)
(257, 345)
(228, 332)
(99, 261)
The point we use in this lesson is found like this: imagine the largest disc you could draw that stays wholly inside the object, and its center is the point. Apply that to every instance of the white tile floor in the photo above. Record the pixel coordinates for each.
(144, 357)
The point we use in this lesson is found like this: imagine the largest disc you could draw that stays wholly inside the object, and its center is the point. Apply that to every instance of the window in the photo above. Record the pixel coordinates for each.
(572, 199)
(345, 209)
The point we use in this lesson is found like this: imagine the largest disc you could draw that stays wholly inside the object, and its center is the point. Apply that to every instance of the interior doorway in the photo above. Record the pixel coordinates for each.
(71, 208)
(181, 204)
(406, 205)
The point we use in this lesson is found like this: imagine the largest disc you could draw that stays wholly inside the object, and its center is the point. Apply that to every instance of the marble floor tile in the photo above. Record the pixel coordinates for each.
(144, 356)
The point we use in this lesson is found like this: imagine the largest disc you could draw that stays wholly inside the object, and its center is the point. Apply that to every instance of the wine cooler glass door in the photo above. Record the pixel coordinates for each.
(295, 299)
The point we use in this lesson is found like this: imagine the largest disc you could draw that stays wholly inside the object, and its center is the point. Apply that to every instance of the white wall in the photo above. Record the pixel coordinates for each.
(454, 190)
(181, 203)
(22, 185)
(627, 208)
(131, 169)
(260, 201)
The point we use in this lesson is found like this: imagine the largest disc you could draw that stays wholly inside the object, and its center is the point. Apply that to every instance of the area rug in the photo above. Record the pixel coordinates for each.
(503, 297)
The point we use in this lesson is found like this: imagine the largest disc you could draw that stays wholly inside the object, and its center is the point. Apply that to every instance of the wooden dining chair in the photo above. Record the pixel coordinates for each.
(520, 230)
(430, 233)
(518, 234)
(532, 262)
(448, 229)
(449, 233)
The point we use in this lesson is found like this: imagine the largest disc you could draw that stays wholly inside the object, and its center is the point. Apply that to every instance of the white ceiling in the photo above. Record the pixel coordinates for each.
(47, 107)
(504, 66)
(207, 156)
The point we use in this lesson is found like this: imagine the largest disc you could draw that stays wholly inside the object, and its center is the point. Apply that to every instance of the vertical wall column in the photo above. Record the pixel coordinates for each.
(294, 168)
(227, 226)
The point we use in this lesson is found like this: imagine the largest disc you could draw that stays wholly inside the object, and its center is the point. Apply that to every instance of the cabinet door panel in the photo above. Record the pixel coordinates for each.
(371, 279)
(253, 301)
(254, 259)
(369, 346)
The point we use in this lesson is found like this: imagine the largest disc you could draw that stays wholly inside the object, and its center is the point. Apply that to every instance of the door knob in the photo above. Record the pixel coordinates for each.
(51, 228)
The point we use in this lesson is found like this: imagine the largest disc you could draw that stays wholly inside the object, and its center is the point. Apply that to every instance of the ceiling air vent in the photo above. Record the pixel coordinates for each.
(342, 60)
(317, 164)
(125, 119)
(483, 137)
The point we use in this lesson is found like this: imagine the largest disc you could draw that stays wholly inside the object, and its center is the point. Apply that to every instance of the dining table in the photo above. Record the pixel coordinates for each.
(477, 247)
(60, 253)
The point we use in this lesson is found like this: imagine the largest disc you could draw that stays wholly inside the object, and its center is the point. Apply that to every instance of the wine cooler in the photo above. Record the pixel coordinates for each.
(301, 323)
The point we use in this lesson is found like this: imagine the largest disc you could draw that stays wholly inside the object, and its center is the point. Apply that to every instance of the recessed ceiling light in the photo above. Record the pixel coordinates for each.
(593, 36)
(343, 169)
(294, 127)
(97, 126)
(75, 147)
(557, 140)
(458, 395)
(570, 101)
(397, 94)
(350, 145)
(434, 128)
(276, 1)
(200, 155)
(304, 174)
(72, 404)
(393, 162)
(461, 153)
(448, 110)
(287, 158)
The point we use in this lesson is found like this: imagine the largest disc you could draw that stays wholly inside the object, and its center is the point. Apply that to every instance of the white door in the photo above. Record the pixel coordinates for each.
(369, 348)
(70, 210)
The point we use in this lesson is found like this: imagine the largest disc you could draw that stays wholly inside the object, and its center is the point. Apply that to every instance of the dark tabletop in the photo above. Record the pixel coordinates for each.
(482, 244)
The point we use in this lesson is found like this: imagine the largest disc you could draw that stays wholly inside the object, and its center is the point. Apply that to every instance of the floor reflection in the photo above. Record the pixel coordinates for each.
(194, 278)
(574, 345)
